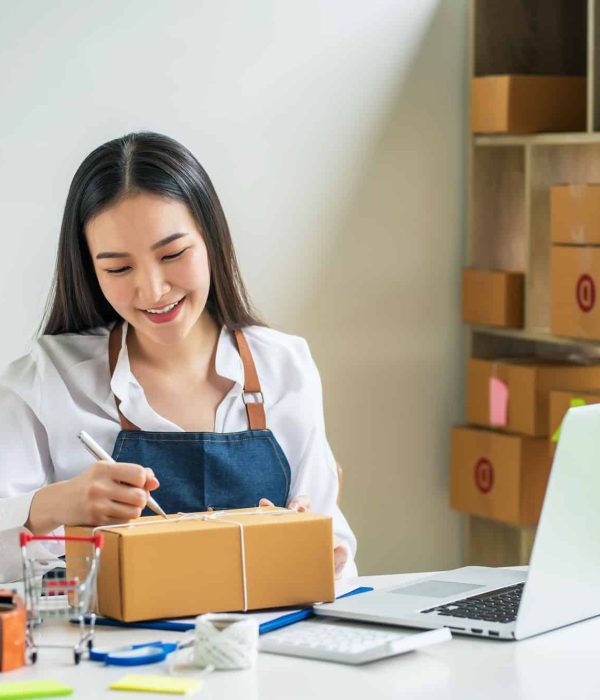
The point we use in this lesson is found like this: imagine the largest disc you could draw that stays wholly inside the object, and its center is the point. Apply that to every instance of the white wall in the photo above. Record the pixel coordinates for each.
(333, 133)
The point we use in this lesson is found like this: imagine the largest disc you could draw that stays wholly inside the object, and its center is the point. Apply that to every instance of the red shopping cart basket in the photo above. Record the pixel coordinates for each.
(64, 592)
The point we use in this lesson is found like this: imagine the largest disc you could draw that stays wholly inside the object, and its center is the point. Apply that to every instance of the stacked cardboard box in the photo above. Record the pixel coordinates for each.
(521, 104)
(501, 461)
(493, 297)
(575, 261)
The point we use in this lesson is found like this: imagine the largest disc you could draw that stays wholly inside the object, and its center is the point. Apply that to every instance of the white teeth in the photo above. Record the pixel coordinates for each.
(163, 311)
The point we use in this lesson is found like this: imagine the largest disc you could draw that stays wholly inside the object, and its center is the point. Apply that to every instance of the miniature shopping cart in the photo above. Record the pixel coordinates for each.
(60, 593)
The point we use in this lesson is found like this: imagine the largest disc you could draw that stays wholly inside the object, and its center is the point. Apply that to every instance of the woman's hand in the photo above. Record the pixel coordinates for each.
(302, 504)
(340, 556)
(106, 493)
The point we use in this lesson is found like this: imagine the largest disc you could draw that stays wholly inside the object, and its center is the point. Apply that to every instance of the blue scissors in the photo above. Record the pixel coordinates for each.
(135, 654)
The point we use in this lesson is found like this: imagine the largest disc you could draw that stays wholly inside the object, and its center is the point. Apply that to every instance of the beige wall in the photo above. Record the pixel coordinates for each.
(384, 315)
(333, 132)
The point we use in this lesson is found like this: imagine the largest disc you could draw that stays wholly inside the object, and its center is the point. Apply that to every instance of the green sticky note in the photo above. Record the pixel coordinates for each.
(157, 684)
(573, 403)
(33, 689)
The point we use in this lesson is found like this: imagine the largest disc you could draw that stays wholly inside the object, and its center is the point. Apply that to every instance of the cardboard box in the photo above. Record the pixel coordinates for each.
(498, 476)
(562, 401)
(159, 569)
(529, 383)
(575, 291)
(522, 104)
(575, 214)
(493, 297)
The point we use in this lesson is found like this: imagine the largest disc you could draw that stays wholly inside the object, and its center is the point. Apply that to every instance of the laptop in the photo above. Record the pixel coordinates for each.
(561, 586)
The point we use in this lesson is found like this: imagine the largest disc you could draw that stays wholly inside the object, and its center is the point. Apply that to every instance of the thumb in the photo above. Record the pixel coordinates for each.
(340, 556)
(300, 503)
(151, 481)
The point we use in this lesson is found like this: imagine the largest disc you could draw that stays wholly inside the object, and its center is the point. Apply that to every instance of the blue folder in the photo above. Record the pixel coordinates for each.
(175, 626)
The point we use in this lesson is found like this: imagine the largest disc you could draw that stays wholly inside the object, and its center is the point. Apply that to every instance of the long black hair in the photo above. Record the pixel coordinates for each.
(139, 162)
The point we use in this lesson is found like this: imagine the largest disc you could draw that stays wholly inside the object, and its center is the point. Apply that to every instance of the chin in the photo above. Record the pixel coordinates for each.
(166, 335)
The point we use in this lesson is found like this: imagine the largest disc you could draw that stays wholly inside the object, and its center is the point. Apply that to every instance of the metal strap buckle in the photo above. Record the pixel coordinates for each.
(255, 395)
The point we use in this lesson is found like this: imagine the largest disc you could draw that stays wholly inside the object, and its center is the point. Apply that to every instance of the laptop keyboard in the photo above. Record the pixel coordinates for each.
(500, 605)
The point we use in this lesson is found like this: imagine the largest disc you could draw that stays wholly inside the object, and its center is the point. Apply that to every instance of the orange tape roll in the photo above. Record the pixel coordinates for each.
(12, 631)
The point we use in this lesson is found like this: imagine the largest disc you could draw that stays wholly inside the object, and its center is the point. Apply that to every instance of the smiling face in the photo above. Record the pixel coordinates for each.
(152, 264)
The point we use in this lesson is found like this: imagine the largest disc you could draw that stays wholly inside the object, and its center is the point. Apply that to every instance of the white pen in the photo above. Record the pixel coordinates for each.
(99, 453)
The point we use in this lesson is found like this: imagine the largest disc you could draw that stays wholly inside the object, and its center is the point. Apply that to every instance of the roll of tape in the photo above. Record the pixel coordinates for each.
(225, 641)
(12, 631)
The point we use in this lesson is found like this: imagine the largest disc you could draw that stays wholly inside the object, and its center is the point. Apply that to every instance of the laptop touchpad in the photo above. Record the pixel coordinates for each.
(436, 589)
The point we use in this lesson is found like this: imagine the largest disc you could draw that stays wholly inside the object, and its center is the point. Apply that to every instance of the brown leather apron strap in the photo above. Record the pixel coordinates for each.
(255, 410)
(114, 348)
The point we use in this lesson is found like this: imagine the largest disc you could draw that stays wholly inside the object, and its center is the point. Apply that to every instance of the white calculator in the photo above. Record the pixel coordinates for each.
(346, 643)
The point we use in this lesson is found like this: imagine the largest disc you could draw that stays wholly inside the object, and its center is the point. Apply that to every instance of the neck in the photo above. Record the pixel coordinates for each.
(194, 351)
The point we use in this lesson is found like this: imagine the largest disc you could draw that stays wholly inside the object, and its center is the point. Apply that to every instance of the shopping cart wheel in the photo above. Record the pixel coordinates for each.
(76, 656)
(90, 644)
(32, 657)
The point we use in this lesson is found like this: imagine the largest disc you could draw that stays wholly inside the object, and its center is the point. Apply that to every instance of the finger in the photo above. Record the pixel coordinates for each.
(128, 495)
(300, 504)
(132, 474)
(265, 502)
(340, 557)
(121, 513)
(151, 481)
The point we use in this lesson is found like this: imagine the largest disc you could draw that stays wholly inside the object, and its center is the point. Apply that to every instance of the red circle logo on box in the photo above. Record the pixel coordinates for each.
(484, 475)
(586, 293)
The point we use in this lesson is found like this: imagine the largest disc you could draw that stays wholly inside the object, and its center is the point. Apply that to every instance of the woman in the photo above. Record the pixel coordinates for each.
(150, 345)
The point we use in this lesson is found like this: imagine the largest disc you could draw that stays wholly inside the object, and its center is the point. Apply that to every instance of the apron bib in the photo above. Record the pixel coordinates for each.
(203, 470)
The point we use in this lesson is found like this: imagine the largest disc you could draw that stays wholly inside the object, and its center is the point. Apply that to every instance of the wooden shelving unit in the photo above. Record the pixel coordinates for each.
(509, 177)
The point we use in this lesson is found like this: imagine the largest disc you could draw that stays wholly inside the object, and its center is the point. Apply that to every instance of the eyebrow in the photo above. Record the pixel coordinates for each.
(155, 246)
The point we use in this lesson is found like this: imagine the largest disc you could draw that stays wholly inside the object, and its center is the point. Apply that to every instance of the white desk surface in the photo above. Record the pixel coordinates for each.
(560, 664)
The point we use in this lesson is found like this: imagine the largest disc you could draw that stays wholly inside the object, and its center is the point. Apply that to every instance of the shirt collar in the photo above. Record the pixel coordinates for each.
(228, 364)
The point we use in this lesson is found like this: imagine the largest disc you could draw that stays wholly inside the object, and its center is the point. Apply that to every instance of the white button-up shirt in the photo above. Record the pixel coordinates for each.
(63, 386)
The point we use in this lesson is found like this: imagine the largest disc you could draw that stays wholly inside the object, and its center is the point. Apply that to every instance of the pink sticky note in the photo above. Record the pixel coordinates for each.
(498, 402)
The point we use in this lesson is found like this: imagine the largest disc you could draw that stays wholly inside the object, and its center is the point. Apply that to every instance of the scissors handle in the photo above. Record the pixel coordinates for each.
(132, 656)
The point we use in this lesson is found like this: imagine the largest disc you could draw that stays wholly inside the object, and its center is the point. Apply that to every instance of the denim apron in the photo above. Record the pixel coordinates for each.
(203, 471)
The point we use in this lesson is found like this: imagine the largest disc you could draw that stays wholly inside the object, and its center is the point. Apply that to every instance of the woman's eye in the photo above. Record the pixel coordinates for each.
(118, 270)
(173, 256)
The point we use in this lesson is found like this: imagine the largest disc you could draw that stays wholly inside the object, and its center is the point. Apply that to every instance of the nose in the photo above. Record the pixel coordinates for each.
(151, 287)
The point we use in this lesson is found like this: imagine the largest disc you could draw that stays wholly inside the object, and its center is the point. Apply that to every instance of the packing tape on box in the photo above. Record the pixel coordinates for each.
(212, 515)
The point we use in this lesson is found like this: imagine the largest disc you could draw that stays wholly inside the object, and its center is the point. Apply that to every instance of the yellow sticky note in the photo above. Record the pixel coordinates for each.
(33, 689)
(157, 684)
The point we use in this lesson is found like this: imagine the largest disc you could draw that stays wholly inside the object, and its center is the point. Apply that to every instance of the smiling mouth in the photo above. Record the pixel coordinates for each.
(164, 309)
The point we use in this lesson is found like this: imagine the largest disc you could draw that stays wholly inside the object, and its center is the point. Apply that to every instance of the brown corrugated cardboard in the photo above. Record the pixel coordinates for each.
(529, 383)
(574, 291)
(561, 402)
(521, 104)
(187, 567)
(575, 214)
(498, 476)
(493, 297)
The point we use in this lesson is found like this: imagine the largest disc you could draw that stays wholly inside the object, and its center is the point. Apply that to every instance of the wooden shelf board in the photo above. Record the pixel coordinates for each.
(539, 335)
(559, 139)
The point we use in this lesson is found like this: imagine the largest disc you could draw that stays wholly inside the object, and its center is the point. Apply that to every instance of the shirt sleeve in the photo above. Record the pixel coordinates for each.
(315, 474)
(25, 466)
